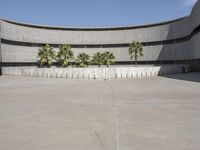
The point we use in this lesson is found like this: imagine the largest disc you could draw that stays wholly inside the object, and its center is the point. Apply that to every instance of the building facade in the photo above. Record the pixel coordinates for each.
(176, 41)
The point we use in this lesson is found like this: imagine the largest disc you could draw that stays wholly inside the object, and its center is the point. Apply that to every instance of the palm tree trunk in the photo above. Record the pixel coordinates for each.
(135, 61)
(47, 63)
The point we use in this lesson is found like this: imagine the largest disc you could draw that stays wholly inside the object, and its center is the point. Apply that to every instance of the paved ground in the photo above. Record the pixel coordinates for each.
(160, 113)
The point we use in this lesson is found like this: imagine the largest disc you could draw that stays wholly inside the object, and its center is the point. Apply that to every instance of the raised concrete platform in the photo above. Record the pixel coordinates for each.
(95, 72)
(161, 113)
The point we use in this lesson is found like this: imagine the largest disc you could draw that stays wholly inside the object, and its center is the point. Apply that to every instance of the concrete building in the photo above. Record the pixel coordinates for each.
(169, 42)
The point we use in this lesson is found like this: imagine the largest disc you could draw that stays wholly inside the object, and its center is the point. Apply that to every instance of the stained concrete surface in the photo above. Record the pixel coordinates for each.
(161, 113)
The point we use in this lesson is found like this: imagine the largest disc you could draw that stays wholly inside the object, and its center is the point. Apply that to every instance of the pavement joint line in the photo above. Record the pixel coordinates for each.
(117, 127)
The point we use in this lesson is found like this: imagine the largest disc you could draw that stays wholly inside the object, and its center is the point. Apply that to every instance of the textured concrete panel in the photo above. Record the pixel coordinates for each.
(12, 53)
(21, 33)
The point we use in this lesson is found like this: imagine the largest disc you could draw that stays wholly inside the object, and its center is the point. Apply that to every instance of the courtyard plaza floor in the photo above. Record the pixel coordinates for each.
(159, 113)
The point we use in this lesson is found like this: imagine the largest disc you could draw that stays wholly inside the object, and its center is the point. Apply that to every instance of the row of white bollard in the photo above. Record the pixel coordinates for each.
(94, 73)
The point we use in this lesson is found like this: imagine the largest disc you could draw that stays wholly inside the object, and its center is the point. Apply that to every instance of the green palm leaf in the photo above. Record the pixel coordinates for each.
(46, 55)
(83, 60)
(135, 51)
(65, 55)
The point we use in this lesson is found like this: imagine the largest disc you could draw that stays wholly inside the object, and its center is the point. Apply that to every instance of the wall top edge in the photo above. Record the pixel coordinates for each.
(91, 28)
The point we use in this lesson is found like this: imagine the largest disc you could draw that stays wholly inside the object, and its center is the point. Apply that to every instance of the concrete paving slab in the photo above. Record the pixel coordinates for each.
(129, 114)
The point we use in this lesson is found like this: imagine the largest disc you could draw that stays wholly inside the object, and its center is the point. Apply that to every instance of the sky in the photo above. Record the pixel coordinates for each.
(94, 13)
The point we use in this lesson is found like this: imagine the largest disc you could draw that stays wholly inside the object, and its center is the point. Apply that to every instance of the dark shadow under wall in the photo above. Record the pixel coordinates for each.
(191, 77)
(195, 65)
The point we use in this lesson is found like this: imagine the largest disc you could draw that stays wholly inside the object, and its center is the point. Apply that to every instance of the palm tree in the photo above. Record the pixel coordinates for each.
(97, 59)
(65, 55)
(108, 58)
(83, 60)
(46, 55)
(135, 51)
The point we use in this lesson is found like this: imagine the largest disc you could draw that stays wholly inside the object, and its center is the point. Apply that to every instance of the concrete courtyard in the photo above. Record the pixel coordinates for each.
(161, 113)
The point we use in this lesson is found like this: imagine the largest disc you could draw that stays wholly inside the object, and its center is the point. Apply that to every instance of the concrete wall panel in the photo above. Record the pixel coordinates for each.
(35, 35)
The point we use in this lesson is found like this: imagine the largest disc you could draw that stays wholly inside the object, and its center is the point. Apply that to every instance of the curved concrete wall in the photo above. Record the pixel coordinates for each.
(36, 35)
(169, 41)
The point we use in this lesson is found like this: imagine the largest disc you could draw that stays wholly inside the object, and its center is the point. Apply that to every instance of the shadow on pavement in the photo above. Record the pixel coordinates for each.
(192, 77)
